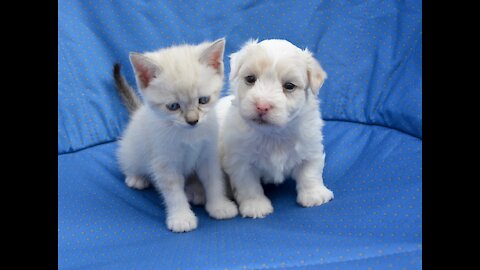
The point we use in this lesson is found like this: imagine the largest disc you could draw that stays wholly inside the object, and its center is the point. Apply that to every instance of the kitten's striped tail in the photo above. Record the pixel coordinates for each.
(129, 97)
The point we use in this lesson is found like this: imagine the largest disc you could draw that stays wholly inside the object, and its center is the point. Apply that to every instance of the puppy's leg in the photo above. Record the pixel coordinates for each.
(310, 188)
(195, 191)
(210, 174)
(180, 217)
(248, 192)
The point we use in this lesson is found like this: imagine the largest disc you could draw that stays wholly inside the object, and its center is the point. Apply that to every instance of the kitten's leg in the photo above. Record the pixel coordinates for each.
(180, 217)
(248, 192)
(195, 191)
(310, 188)
(210, 174)
(137, 182)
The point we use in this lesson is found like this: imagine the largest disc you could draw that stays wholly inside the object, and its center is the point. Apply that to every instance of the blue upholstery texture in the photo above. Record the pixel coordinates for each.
(371, 101)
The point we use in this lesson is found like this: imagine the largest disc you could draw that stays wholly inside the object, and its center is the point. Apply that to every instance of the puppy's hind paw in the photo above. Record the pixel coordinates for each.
(222, 210)
(256, 208)
(137, 182)
(314, 197)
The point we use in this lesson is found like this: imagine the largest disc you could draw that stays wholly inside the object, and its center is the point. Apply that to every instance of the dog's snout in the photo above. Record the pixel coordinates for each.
(263, 107)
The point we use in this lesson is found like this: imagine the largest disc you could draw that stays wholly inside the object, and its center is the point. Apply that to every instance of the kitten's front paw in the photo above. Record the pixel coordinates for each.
(137, 182)
(314, 197)
(256, 207)
(222, 209)
(182, 222)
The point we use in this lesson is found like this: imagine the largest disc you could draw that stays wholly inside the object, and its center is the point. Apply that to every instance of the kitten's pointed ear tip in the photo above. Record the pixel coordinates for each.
(133, 55)
(220, 41)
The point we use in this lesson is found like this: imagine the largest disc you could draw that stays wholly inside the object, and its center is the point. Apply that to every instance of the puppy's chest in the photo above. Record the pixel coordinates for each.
(276, 159)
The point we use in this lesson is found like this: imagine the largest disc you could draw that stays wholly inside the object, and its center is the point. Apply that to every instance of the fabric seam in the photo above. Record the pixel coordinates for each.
(87, 147)
(373, 124)
(335, 262)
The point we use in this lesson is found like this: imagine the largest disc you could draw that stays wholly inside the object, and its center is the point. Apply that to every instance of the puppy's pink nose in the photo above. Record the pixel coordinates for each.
(263, 107)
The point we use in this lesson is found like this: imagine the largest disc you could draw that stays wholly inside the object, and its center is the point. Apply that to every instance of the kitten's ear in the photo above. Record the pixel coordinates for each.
(145, 70)
(315, 72)
(213, 55)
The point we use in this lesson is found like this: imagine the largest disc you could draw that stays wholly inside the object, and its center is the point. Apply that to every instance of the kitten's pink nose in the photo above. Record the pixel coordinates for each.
(263, 107)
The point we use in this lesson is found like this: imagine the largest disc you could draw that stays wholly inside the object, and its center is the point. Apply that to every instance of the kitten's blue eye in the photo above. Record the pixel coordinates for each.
(203, 100)
(173, 106)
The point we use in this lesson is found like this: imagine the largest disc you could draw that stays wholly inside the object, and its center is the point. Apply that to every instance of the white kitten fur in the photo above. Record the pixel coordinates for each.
(159, 145)
(286, 140)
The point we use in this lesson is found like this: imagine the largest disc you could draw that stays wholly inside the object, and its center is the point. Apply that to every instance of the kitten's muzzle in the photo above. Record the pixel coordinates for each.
(193, 122)
(191, 118)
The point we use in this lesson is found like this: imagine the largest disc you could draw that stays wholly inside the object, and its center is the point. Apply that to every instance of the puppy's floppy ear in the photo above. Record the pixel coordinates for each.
(145, 70)
(213, 55)
(236, 59)
(316, 74)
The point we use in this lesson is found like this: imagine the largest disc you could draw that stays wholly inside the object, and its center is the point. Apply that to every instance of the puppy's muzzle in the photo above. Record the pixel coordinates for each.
(263, 107)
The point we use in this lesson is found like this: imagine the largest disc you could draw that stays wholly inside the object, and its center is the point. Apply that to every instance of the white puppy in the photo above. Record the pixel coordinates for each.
(271, 125)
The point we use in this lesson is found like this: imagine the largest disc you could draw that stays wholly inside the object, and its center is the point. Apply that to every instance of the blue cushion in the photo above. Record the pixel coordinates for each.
(374, 220)
(371, 100)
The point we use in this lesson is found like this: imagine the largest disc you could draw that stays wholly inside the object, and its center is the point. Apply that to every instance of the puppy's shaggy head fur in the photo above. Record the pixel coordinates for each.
(272, 80)
(181, 83)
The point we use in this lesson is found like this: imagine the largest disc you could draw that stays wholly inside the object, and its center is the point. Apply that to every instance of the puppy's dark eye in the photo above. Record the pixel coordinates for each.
(250, 79)
(289, 87)
(173, 106)
(203, 100)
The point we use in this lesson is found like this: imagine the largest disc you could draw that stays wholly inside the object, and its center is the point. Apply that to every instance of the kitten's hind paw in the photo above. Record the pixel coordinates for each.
(182, 222)
(195, 193)
(222, 209)
(137, 182)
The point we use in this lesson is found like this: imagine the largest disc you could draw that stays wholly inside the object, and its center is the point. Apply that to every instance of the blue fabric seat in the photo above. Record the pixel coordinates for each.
(371, 102)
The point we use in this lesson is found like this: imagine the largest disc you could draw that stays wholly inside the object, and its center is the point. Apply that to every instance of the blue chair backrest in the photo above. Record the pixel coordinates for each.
(371, 50)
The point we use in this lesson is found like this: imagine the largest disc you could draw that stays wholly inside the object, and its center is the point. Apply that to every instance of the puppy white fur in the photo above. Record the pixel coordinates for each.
(271, 125)
(174, 133)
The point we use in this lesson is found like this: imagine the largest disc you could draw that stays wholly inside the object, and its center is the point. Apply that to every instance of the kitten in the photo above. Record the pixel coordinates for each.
(172, 137)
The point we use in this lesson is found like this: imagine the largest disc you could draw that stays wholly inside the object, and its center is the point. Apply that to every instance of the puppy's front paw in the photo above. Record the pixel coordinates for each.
(222, 209)
(182, 222)
(314, 197)
(256, 207)
(137, 182)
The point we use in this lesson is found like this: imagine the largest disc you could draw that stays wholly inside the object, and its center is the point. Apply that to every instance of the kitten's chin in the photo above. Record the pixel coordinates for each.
(186, 126)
